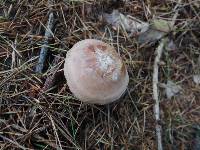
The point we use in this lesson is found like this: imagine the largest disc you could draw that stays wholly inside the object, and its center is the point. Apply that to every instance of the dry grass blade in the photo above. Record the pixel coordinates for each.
(14, 142)
(55, 132)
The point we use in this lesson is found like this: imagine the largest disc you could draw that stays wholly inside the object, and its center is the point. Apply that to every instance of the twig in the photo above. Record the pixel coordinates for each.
(158, 53)
(48, 34)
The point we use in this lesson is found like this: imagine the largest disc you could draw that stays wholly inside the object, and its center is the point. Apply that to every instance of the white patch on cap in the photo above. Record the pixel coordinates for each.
(115, 76)
(104, 62)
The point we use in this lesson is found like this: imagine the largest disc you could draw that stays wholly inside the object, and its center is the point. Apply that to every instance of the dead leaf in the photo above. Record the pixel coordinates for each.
(150, 36)
(196, 78)
(196, 145)
(158, 29)
(170, 45)
(128, 23)
(171, 89)
(161, 25)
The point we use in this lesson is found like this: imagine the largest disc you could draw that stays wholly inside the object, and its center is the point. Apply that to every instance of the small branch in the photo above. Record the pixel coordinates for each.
(158, 53)
(44, 49)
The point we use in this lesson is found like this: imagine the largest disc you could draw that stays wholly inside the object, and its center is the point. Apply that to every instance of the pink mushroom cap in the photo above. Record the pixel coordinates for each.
(95, 72)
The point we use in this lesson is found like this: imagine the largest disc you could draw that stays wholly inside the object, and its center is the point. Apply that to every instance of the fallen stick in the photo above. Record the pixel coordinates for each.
(44, 49)
(158, 53)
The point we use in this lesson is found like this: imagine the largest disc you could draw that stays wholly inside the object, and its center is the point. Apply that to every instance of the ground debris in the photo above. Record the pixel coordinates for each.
(144, 31)
(171, 89)
(43, 111)
(48, 34)
(158, 28)
(128, 23)
(51, 79)
(196, 145)
(196, 78)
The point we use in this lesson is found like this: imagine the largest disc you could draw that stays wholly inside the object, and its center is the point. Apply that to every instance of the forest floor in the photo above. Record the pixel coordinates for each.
(38, 111)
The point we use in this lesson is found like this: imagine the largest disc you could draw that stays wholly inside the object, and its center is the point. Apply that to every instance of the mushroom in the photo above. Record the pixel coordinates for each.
(95, 72)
